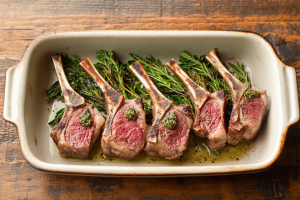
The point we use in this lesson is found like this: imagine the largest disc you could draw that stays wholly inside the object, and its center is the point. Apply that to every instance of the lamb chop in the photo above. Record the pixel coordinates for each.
(125, 127)
(210, 109)
(249, 105)
(80, 126)
(169, 134)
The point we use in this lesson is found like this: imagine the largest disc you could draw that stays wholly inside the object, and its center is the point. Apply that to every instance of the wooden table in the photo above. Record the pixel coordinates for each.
(23, 21)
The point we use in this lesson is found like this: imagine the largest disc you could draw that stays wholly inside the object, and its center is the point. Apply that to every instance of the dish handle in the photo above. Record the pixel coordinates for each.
(291, 95)
(12, 91)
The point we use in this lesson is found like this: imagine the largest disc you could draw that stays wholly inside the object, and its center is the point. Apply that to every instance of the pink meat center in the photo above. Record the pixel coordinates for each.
(211, 115)
(128, 133)
(173, 139)
(252, 109)
(77, 135)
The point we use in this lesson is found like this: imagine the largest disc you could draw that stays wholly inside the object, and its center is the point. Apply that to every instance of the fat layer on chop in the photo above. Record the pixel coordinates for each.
(73, 139)
(121, 137)
(247, 114)
(210, 109)
(161, 141)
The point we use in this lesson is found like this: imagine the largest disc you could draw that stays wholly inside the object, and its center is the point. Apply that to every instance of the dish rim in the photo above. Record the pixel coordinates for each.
(246, 168)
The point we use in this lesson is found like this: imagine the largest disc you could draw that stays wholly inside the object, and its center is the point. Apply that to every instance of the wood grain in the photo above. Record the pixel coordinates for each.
(22, 21)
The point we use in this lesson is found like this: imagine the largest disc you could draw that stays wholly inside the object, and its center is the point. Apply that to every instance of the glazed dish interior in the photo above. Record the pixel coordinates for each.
(255, 55)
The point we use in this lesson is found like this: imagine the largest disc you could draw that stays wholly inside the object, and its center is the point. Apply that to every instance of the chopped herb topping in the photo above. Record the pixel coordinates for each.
(250, 94)
(215, 152)
(85, 118)
(170, 121)
(131, 114)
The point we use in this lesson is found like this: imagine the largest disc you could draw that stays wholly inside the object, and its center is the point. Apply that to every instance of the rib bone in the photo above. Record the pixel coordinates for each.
(72, 99)
(160, 103)
(113, 99)
(197, 94)
(161, 141)
(202, 99)
(237, 88)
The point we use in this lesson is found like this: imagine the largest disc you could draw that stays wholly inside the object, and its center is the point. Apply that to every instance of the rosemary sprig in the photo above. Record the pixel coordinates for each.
(54, 92)
(121, 79)
(111, 70)
(57, 117)
(191, 64)
(168, 84)
(240, 73)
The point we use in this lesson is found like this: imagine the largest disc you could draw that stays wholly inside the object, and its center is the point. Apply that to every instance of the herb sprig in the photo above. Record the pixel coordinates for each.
(240, 73)
(204, 74)
(119, 76)
(169, 85)
(57, 117)
(121, 79)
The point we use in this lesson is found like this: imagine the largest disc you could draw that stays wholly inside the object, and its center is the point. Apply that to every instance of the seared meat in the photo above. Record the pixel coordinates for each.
(122, 137)
(73, 139)
(247, 114)
(210, 109)
(163, 141)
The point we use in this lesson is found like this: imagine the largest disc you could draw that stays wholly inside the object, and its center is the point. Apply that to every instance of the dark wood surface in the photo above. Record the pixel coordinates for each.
(23, 21)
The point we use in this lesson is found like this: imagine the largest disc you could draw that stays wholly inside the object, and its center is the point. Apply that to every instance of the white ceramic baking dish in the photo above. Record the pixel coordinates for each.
(25, 104)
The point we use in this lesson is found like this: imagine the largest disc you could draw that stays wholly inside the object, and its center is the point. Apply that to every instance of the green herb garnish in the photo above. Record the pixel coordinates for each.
(240, 73)
(86, 119)
(81, 82)
(215, 152)
(250, 94)
(121, 79)
(57, 117)
(131, 114)
(170, 121)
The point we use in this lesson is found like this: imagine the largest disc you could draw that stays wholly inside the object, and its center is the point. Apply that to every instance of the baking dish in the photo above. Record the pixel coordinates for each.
(25, 104)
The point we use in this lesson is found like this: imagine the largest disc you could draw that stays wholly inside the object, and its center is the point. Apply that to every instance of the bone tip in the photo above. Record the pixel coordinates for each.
(56, 58)
(171, 62)
(87, 59)
(212, 52)
(136, 65)
(152, 140)
(86, 62)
